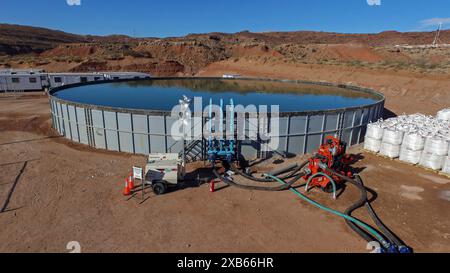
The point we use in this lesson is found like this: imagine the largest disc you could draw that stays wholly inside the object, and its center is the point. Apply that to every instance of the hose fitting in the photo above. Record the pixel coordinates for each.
(404, 250)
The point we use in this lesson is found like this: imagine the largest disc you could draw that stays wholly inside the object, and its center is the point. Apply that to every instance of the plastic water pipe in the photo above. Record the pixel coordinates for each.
(232, 125)
(221, 125)
(210, 122)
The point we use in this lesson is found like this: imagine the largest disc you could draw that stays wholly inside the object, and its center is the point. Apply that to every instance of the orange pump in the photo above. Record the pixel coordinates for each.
(330, 155)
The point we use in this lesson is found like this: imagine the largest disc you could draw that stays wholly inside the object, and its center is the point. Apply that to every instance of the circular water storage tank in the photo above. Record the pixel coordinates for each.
(135, 116)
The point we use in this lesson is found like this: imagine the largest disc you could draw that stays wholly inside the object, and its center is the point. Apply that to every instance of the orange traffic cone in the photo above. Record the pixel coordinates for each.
(211, 186)
(131, 182)
(126, 190)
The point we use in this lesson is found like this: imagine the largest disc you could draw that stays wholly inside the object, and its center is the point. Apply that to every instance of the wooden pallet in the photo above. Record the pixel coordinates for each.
(407, 163)
(378, 154)
(370, 152)
(445, 174)
(428, 169)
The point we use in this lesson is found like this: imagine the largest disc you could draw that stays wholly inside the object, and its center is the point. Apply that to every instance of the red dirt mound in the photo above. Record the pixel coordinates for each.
(81, 51)
(350, 52)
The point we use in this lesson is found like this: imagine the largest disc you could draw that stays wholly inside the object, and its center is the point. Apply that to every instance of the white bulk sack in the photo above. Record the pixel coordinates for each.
(372, 144)
(374, 131)
(446, 168)
(437, 146)
(410, 156)
(390, 150)
(432, 161)
(444, 114)
(392, 136)
(413, 141)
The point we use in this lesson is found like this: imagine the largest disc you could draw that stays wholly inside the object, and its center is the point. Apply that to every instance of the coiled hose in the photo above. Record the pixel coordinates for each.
(371, 230)
(294, 174)
(364, 230)
(258, 188)
(364, 201)
(291, 174)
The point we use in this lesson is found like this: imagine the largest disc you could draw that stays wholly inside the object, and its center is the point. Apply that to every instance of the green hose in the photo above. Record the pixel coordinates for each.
(327, 176)
(356, 221)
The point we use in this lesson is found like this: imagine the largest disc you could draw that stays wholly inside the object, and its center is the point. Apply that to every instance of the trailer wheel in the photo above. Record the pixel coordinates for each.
(159, 188)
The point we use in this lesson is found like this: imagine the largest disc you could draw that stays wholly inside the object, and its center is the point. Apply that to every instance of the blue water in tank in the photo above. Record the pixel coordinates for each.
(159, 94)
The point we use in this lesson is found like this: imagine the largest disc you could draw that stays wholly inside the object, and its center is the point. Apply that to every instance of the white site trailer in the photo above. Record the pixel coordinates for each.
(125, 75)
(60, 79)
(22, 80)
(36, 80)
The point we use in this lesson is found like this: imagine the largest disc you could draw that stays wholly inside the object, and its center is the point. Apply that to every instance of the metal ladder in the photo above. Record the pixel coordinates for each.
(89, 127)
(340, 128)
(194, 151)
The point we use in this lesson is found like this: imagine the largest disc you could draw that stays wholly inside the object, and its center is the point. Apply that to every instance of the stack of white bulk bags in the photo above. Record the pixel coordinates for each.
(374, 134)
(412, 147)
(415, 139)
(435, 151)
(391, 142)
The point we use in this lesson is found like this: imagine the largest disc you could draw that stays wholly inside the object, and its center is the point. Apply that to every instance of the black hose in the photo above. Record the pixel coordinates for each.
(362, 201)
(251, 177)
(258, 188)
(385, 230)
(388, 233)
(358, 204)
(283, 169)
(269, 180)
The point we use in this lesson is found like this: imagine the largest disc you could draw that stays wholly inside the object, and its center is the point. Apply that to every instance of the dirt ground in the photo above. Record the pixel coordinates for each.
(53, 192)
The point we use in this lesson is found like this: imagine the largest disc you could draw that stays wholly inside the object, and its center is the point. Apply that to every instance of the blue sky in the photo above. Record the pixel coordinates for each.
(159, 18)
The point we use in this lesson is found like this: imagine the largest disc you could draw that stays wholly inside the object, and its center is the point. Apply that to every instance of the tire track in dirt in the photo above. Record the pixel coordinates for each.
(11, 191)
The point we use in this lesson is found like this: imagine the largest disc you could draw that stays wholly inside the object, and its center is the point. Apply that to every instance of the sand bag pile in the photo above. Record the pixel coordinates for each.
(415, 139)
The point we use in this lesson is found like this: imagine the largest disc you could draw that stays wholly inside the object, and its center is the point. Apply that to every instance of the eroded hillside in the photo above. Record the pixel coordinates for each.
(23, 47)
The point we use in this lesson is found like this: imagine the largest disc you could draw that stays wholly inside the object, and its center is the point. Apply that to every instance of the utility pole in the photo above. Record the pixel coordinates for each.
(438, 33)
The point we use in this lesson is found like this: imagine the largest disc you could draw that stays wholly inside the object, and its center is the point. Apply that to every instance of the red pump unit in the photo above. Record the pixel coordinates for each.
(330, 155)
